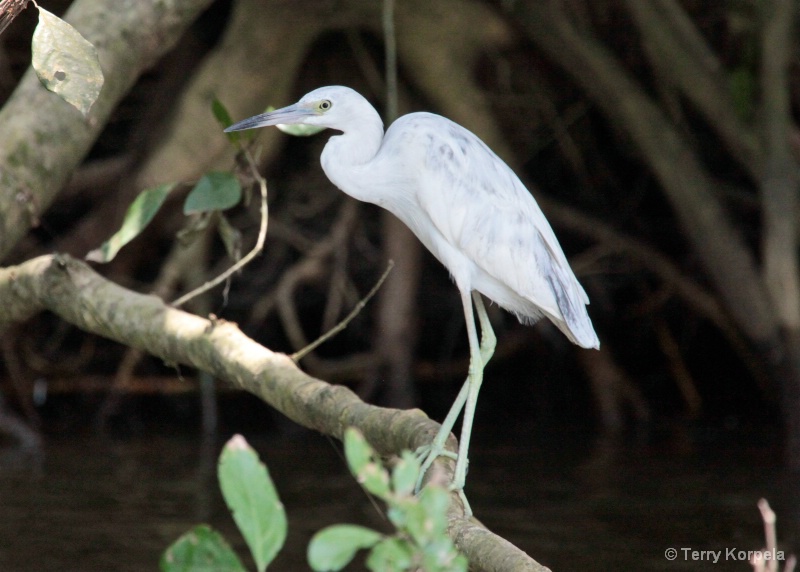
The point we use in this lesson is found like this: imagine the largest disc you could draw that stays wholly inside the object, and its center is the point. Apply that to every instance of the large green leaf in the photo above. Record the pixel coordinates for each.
(139, 215)
(251, 497)
(202, 549)
(334, 547)
(216, 191)
(66, 63)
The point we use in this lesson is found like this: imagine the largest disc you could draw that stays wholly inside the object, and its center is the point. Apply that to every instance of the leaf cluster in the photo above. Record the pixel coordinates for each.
(420, 540)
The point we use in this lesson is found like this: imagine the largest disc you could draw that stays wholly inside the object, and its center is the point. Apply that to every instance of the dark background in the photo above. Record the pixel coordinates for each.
(682, 373)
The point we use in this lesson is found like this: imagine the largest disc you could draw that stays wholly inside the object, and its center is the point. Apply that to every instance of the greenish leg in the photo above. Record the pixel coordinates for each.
(488, 339)
(467, 398)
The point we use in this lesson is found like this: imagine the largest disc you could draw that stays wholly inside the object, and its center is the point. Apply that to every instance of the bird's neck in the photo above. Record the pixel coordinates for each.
(346, 159)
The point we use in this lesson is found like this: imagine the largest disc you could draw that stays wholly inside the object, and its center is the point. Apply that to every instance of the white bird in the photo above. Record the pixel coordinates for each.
(467, 207)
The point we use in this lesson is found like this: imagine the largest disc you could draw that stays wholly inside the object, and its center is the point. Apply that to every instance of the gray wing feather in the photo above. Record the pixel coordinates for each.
(482, 208)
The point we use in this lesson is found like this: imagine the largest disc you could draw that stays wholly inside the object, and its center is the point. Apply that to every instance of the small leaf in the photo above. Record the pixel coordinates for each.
(405, 473)
(390, 554)
(356, 450)
(436, 500)
(216, 191)
(427, 519)
(375, 479)
(300, 130)
(441, 554)
(295, 130)
(221, 113)
(200, 549)
(364, 464)
(66, 63)
(139, 214)
(334, 547)
(397, 511)
(251, 497)
(223, 117)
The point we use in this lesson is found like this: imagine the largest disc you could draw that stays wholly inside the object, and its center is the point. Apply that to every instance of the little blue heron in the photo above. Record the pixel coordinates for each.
(467, 207)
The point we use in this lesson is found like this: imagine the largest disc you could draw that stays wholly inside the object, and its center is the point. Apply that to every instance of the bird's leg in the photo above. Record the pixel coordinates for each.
(488, 343)
(488, 339)
(429, 453)
(475, 379)
(479, 355)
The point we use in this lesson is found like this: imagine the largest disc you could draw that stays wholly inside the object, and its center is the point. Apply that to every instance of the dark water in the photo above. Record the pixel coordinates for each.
(97, 504)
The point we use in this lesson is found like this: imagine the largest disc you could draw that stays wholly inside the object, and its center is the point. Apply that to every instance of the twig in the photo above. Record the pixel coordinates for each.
(10, 9)
(759, 562)
(311, 268)
(390, 41)
(262, 235)
(680, 371)
(297, 356)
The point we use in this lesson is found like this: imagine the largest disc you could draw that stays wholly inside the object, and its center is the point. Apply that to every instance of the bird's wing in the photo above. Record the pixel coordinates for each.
(480, 207)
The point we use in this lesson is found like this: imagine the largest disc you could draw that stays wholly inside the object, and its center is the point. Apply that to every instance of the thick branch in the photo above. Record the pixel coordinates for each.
(44, 138)
(779, 180)
(73, 291)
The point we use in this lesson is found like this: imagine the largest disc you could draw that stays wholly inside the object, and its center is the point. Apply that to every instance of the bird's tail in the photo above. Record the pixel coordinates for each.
(572, 301)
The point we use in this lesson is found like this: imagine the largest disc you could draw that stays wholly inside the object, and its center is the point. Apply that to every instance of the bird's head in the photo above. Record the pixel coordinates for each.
(334, 107)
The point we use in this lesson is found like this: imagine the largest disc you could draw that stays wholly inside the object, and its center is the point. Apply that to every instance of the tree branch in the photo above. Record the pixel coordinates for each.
(678, 50)
(44, 138)
(77, 294)
(779, 180)
(718, 243)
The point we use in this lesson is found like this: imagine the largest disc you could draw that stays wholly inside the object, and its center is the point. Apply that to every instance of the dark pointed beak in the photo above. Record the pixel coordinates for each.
(290, 115)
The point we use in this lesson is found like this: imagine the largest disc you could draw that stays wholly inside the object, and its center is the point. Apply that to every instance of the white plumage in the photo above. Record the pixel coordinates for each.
(465, 205)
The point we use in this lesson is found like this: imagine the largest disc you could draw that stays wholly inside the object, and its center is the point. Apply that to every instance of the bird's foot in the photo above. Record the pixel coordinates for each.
(427, 454)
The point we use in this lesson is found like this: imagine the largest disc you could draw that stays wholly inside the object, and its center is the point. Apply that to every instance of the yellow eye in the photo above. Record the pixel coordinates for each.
(324, 105)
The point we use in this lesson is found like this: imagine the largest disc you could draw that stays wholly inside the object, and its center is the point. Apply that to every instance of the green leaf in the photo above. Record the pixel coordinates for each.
(139, 214)
(300, 130)
(427, 519)
(216, 191)
(390, 554)
(66, 63)
(441, 554)
(375, 479)
(435, 501)
(364, 464)
(405, 473)
(223, 117)
(202, 549)
(251, 497)
(221, 113)
(334, 547)
(356, 450)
